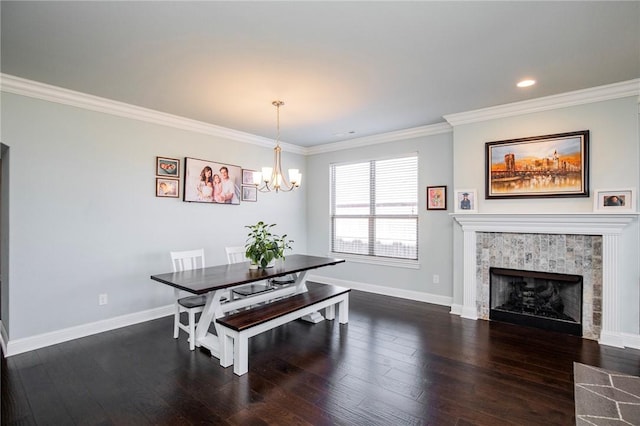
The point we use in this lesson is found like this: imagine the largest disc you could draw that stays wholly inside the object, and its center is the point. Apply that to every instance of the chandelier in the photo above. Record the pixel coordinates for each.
(272, 178)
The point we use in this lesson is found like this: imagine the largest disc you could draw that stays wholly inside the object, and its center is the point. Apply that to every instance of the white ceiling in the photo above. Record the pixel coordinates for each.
(362, 67)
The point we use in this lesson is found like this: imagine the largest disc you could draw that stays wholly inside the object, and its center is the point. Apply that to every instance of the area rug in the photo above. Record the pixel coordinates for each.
(605, 398)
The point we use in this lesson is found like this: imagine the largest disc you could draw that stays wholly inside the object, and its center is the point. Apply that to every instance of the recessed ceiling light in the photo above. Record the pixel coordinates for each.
(526, 83)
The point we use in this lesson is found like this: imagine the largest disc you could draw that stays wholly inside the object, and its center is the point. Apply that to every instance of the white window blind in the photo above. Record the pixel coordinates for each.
(374, 208)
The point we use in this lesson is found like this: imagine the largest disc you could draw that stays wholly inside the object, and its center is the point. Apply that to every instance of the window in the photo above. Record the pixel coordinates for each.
(374, 208)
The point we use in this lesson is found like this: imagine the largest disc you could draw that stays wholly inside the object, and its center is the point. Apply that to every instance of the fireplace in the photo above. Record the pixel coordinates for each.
(609, 293)
(550, 301)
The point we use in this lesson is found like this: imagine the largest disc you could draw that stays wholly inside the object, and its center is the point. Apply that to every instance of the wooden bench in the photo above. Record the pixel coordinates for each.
(235, 329)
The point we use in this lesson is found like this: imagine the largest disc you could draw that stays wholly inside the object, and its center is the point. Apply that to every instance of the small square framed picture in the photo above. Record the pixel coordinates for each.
(248, 176)
(167, 187)
(614, 200)
(167, 167)
(436, 197)
(249, 193)
(466, 201)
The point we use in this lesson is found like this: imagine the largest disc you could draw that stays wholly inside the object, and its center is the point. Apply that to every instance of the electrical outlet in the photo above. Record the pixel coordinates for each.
(436, 279)
(102, 299)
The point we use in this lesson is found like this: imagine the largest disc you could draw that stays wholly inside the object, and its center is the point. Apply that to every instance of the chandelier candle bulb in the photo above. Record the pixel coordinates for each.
(257, 178)
(266, 173)
(294, 175)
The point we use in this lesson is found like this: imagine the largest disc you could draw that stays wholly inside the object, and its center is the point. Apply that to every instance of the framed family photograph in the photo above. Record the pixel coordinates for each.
(614, 200)
(249, 193)
(541, 166)
(437, 197)
(169, 167)
(210, 182)
(167, 187)
(466, 201)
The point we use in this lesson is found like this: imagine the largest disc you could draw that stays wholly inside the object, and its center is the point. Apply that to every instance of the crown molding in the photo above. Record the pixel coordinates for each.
(579, 97)
(33, 89)
(405, 134)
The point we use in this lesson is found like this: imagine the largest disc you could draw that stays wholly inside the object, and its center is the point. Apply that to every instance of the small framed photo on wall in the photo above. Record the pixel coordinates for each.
(167, 187)
(466, 201)
(437, 197)
(249, 193)
(614, 200)
(168, 167)
(248, 176)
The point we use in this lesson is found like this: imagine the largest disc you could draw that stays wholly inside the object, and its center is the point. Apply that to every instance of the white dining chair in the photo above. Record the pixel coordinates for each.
(235, 254)
(184, 261)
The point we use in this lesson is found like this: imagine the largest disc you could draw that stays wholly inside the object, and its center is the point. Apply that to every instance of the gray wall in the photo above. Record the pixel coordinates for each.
(434, 227)
(85, 219)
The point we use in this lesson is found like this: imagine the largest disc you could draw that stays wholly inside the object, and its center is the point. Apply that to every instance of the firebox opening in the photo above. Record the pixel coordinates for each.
(544, 300)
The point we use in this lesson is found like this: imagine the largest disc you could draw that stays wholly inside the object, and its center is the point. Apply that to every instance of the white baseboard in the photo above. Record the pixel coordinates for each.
(456, 309)
(386, 291)
(631, 340)
(18, 346)
(611, 338)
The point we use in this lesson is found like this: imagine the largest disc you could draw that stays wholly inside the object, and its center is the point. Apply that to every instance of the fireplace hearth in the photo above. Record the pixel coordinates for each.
(550, 301)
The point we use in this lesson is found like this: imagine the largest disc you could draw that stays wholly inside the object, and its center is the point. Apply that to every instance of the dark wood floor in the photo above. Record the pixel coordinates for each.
(397, 362)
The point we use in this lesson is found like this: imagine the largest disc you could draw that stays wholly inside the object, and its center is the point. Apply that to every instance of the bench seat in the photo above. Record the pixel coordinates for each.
(236, 328)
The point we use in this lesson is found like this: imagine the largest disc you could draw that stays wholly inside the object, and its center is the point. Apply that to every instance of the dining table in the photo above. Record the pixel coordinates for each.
(215, 281)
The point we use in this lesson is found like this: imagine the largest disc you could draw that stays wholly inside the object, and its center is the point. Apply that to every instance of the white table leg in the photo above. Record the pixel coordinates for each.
(301, 282)
(330, 312)
(203, 337)
(301, 287)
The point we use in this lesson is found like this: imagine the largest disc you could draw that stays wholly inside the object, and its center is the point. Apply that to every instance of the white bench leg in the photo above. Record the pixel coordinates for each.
(240, 355)
(343, 311)
(226, 347)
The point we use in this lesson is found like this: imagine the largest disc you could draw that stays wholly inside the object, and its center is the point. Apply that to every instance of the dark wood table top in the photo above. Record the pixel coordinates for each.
(200, 281)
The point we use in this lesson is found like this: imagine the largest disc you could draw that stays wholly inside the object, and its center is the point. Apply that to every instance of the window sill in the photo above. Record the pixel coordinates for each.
(381, 261)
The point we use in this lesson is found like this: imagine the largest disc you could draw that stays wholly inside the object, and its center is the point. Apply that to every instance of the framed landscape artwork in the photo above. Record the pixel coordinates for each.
(542, 166)
(210, 182)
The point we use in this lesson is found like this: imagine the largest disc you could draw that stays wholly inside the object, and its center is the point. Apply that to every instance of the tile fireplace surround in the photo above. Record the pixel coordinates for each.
(607, 228)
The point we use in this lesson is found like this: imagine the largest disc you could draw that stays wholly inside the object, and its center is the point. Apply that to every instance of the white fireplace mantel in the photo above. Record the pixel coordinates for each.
(546, 223)
(610, 226)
